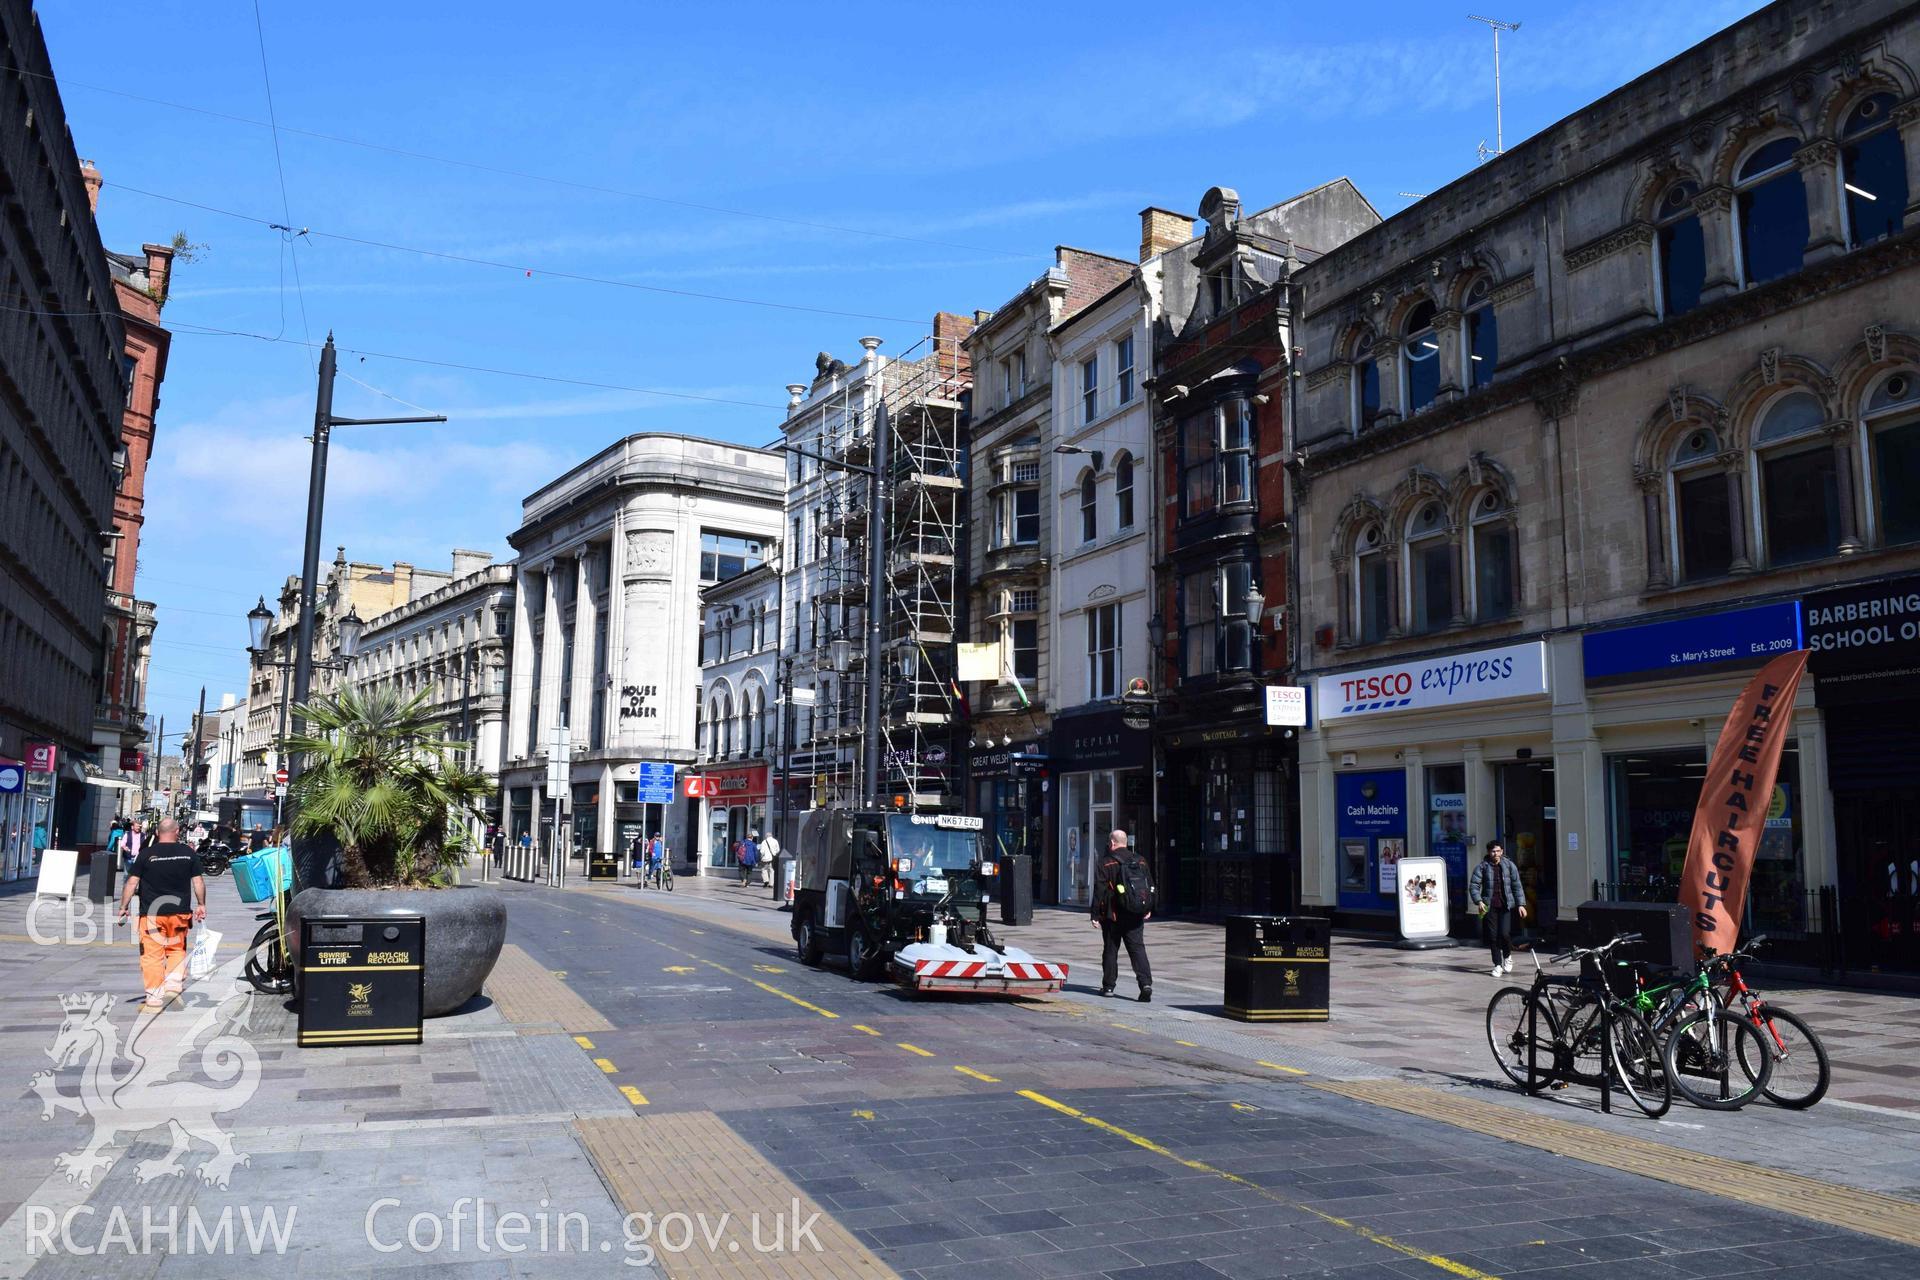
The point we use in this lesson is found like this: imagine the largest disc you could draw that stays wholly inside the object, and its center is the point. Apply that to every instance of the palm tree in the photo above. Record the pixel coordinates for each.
(380, 780)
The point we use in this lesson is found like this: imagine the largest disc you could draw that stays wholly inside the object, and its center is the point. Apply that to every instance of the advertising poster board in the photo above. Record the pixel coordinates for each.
(1423, 899)
(57, 869)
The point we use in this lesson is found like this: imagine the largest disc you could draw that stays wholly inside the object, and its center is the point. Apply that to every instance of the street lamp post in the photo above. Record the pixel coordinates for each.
(259, 626)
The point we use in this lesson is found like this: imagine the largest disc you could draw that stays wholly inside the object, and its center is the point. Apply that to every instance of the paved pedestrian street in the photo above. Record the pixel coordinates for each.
(667, 1057)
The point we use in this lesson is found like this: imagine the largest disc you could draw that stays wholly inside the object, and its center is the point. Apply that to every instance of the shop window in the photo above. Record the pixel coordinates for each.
(1873, 171)
(1893, 433)
(1089, 508)
(1374, 582)
(1770, 212)
(1799, 481)
(1447, 833)
(1681, 250)
(1420, 360)
(1199, 623)
(1430, 568)
(1493, 564)
(1702, 516)
(1103, 651)
(1123, 492)
(1482, 335)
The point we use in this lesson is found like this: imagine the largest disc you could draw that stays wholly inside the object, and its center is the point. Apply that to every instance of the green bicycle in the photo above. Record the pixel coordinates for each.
(1714, 1059)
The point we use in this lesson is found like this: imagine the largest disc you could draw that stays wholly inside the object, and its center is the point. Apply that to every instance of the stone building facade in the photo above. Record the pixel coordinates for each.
(1583, 437)
(1011, 544)
(450, 641)
(741, 726)
(612, 557)
(60, 422)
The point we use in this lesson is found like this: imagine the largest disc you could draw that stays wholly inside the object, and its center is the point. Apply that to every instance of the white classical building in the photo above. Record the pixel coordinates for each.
(606, 636)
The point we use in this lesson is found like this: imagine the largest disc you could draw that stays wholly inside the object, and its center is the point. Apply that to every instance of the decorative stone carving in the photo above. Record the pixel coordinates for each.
(1713, 200)
(1701, 137)
(1770, 366)
(1907, 113)
(1326, 373)
(1876, 342)
(1558, 402)
(1518, 287)
(1647, 480)
(649, 553)
(1677, 403)
(1631, 236)
(1821, 153)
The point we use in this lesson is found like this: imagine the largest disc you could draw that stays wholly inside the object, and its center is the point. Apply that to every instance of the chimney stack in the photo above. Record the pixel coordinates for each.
(90, 175)
(1163, 229)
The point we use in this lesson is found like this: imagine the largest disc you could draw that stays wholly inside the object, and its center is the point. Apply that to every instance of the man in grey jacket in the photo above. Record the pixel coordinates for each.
(1494, 887)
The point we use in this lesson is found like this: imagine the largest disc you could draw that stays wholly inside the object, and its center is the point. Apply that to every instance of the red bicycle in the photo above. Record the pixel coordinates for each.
(1801, 1072)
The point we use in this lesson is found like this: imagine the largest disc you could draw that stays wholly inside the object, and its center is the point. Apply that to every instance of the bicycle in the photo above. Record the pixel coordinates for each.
(660, 877)
(1784, 1036)
(1690, 1023)
(1593, 1023)
(269, 966)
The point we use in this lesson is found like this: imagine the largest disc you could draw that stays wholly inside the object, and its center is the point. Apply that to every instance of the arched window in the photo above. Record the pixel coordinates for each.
(1366, 385)
(1430, 568)
(1873, 171)
(1420, 362)
(1799, 481)
(1492, 551)
(1681, 250)
(1703, 522)
(1482, 335)
(1373, 583)
(1771, 212)
(1089, 508)
(701, 719)
(1893, 451)
(1123, 492)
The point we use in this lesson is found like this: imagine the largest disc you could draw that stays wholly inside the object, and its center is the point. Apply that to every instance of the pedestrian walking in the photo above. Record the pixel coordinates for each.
(172, 889)
(656, 856)
(1122, 904)
(749, 858)
(132, 844)
(1494, 890)
(769, 852)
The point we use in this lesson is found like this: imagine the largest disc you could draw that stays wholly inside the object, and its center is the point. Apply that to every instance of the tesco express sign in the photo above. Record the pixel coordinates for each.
(1487, 675)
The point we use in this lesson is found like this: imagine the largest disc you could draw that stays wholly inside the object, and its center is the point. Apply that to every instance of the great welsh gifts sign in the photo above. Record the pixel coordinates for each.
(1485, 675)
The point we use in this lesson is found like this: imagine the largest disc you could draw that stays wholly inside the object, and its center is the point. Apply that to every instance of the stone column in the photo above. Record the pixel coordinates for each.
(1412, 759)
(646, 573)
(1650, 484)
(1715, 209)
(584, 615)
(1386, 360)
(1841, 433)
(1483, 824)
(1735, 463)
(520, 679)
(1819, 163)
(552, 651)
(1391, 550)
(1457, 605)
(1906, 118)
(1343, 595)
(1447, 331)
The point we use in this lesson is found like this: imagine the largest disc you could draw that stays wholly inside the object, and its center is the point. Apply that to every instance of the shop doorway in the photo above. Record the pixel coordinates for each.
(1876, 834)
(1091, 811)
(1524, 801)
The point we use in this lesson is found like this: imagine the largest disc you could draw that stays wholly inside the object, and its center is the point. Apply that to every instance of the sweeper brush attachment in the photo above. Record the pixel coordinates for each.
(1003, 971)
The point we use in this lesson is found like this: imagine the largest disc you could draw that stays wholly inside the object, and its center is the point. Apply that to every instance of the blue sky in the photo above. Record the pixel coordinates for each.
(970, 138)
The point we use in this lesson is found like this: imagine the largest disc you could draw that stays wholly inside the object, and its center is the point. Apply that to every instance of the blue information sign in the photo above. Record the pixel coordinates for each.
(1739, 635)
(656, 783)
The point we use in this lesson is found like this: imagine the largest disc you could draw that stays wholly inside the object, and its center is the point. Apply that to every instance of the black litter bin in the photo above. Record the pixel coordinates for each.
(1015, 889)
(361, 980)
(603, 866)
(103, 875)
(1666, 931)
(1277, 968)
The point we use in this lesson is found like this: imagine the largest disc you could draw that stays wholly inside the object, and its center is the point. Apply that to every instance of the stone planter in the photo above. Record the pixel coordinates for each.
(466, 927)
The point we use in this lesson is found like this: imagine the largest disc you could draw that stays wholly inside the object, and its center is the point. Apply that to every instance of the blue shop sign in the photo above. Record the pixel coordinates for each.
(1682, 644)
(1370, 835)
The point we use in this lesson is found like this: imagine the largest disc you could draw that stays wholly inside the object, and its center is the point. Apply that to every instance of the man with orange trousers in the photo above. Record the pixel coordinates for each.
(166, 876)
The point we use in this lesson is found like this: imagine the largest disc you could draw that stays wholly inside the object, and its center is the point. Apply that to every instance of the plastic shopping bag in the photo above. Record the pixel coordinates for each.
(200, 952)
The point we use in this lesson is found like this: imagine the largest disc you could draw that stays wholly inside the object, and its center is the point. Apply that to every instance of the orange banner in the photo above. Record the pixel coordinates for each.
(1734, 797)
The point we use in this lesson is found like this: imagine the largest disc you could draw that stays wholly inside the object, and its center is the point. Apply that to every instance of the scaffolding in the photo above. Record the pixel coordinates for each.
(925, 487)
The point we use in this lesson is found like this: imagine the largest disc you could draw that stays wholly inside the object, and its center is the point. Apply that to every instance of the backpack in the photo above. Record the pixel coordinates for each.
(1132, 885)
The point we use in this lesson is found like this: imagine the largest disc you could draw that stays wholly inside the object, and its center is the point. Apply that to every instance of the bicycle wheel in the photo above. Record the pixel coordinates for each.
(1633, 1055)
(1705, 1066)
(1801, 1072)
(266, 969)
(1526, 1054)
(1580, 1022)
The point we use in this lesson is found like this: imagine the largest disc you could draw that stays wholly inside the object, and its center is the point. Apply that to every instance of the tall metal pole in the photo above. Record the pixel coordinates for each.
(1499, 138)
(316, 501)
(872, 746)
(193, 774)
(786, 748)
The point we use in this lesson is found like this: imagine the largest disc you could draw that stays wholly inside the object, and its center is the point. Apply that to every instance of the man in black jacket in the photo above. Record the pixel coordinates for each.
(1122, 905)
(1494, 888)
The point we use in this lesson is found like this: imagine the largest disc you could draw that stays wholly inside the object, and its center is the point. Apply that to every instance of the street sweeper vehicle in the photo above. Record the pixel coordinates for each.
(904, 896)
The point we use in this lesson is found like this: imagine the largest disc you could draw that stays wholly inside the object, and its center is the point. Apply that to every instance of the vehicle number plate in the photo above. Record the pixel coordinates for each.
(934, 884)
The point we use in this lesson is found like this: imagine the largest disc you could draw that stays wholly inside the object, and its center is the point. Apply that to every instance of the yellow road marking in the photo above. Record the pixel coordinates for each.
(678, 968)
(769, 968)
(1292, 1071)
(1243, 1106)
(1190, 1044)
(606, 1065)
(633, 1095)
(914, 1048)
(1447, 1265)
(863, 1115)
(702, 932)
(583, 1042)
(559, 973)
(1139, 1031)
(978, 1075)
(863, 1027)
(773, 990)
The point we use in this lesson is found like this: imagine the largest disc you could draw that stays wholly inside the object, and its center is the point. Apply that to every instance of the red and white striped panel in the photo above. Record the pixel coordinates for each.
(950, 968)
(1047, 972)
